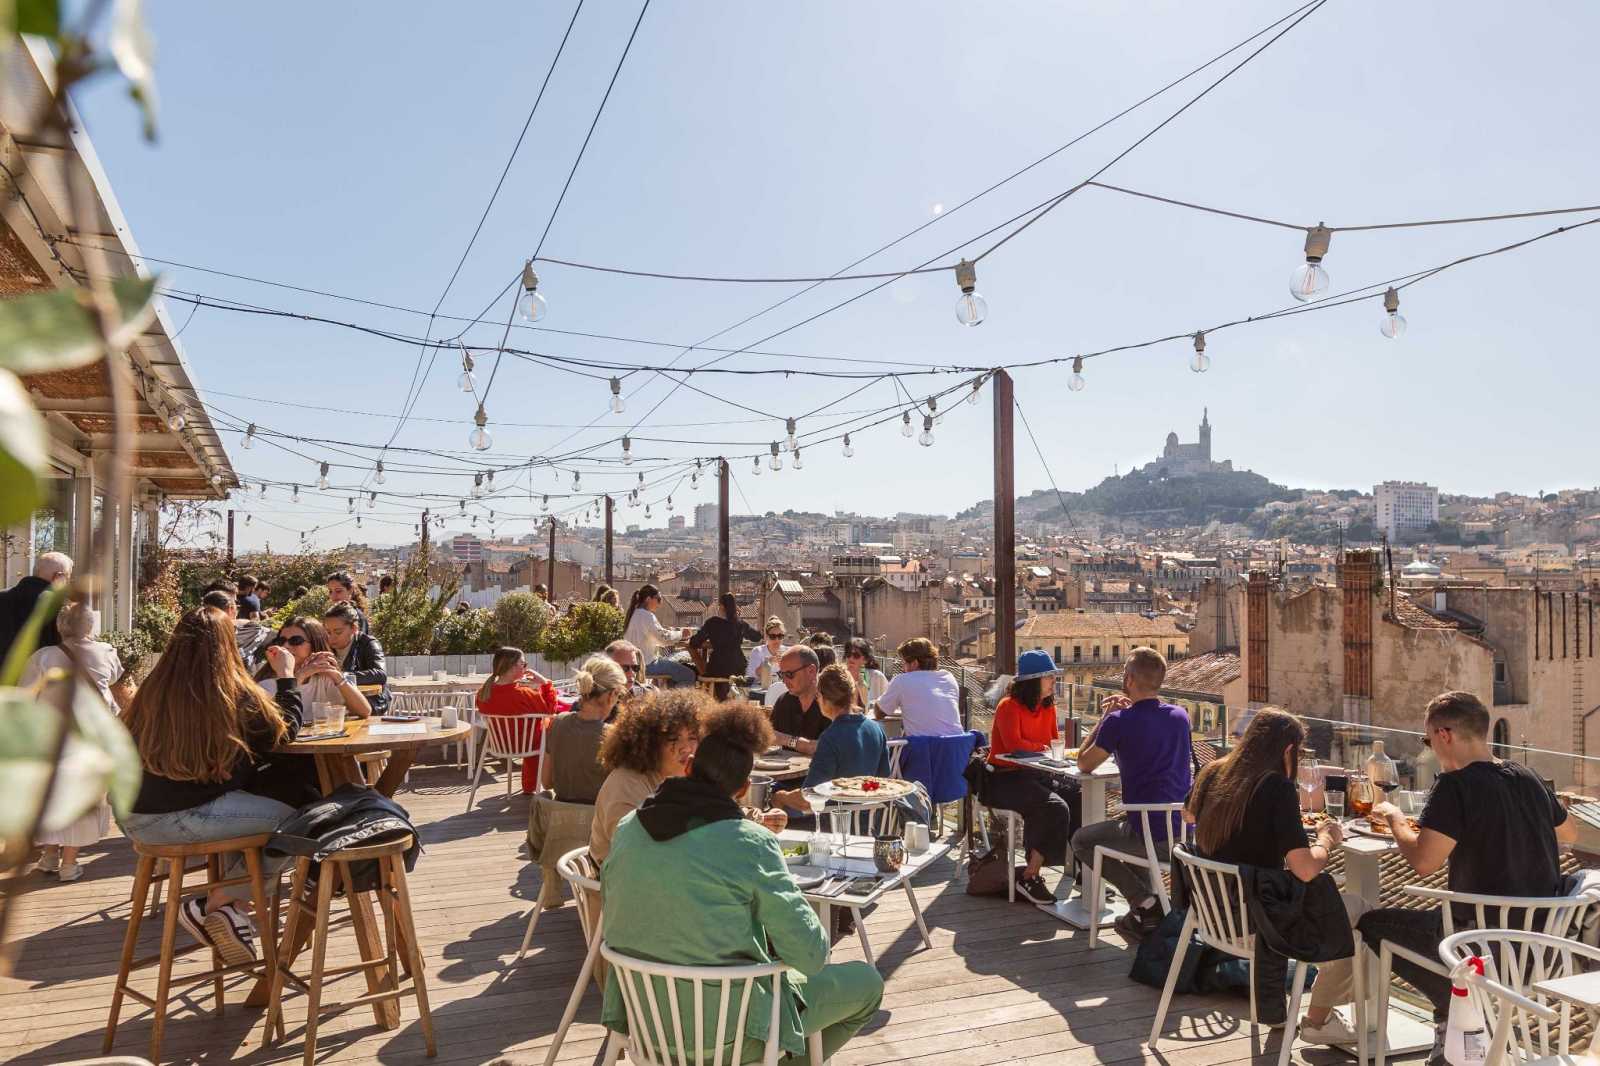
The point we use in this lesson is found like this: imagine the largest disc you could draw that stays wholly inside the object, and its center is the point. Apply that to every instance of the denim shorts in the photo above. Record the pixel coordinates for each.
(232, 814)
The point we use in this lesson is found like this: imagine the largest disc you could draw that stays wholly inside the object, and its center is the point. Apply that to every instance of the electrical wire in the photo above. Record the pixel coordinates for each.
(1062, 500)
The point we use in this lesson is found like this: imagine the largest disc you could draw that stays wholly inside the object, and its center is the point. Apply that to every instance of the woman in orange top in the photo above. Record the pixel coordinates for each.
(516, 688)
(1050, 806)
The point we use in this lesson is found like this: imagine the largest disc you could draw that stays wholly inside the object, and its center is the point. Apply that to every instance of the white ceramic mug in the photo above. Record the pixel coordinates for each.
(439, 675)
(448, 718)
(916, 837)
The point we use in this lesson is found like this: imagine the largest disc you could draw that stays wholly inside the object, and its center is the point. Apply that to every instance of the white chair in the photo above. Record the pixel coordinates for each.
(583, 874)
(1552, 915)
(1094, 887)
(432, 704)
(896, 748)
(512, 737)
(660, 1035)
(1220, 914)
(1518, 1015)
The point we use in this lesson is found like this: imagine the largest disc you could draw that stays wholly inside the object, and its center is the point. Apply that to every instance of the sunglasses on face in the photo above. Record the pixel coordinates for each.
(293, 642)
(790, 675)
(1427, 738)
(629, 668)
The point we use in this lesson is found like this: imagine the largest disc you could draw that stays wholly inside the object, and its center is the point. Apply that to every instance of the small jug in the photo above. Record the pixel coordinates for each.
(888, 854)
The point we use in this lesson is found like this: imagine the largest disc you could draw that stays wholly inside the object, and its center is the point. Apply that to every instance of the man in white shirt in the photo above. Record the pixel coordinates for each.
(926, 697)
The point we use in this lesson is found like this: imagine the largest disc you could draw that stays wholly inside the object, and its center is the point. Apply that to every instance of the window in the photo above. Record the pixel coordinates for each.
(1097, 652)
(1500, 677)
(1172, 651)
(1077, 653)
(1057, 655)
(1116, 651)
(1502, 738)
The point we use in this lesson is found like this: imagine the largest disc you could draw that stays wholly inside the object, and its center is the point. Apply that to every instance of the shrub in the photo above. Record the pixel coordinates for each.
(464, 633)
(585, 629)
(312, 604)
(520, 619)
(406, 618)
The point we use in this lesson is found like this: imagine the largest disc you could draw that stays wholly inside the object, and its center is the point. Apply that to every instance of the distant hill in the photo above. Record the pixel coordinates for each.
(1224, 496)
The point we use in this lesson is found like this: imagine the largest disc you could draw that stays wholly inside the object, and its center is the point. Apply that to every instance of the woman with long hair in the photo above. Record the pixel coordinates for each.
(651, 740)
(202, 726)
(514, 687)
(572, 749)
(316, 667)
(1246, 809)
(1025, 720)
(865, 673)
(644, 631)
(342, 588)
(725, 635)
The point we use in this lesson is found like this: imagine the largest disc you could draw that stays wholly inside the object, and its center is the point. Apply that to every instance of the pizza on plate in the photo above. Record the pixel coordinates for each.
(1380, 826)
(1314, 819)
(860, 788)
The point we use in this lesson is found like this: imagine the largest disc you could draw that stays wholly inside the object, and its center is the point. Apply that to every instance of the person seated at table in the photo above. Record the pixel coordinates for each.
(515, 688)
(1499, 826)
(222, 600)
(797, 717)
(359, 652)
(927, 698)
(1246, 811)
(688, 853)
(572, 749)
(865, 673)
(342, 589)
(853, 745)
(643, 630)
(1050, 805)
(1155, 757)
(628, 657)
(763, 664)
(201, 726)
(725, 635)
(651, 740)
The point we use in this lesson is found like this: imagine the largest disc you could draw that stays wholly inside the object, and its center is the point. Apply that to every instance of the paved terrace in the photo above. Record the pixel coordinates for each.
(1003, 983)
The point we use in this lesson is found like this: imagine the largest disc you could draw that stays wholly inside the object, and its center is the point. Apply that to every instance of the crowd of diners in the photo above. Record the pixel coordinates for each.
(667, 769)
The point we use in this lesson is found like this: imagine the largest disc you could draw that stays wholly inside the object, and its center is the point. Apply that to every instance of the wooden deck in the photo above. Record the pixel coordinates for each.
(1002, 984)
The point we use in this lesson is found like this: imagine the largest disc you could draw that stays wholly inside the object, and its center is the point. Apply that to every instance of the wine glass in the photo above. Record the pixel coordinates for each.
(821, 844)
(1308, 779)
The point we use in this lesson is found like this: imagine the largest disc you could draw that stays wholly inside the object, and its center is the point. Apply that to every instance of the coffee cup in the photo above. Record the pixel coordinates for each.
(916, 838)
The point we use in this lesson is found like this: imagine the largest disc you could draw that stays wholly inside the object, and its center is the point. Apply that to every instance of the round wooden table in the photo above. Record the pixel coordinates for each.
(336, 756)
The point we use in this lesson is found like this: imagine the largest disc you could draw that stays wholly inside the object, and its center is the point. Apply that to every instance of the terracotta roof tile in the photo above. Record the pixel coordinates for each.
(1130, 627)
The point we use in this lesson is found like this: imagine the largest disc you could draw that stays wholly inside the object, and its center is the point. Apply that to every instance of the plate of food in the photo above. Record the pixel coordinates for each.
(795, 853)
(771, 765)
(1314, 819)
(1376, 827)
(807, 877)
(865, 789)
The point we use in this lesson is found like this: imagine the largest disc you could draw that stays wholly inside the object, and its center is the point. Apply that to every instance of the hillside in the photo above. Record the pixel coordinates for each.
(1224, 496)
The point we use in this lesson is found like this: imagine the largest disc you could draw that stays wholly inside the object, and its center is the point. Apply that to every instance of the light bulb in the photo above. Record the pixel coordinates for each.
(694, 480)
(294, 496)
(216, 480)
(905, 424)
(669, 503)
(246, 519)
(789, 443)
(647, 510)
(618, 405)
(641, 479)
(926, 437)
(532, 306)
(175, 420)
(474, 519)
(756, 470)
(1394, 323)
(574, 481)
(466, 381)
(480, 438)
(1076, 382)
(544, 503)
(477, 485)
(463, 504)
(627, 451)
(372, 501)
(797, 465)
(249, 437)
(1200, 362)
(322, 476)
(848, 449)
(358, 521)
(263, 489)
(971, 308)
(977, 386)
(1309, 280)
(378, 478)
(350, 505)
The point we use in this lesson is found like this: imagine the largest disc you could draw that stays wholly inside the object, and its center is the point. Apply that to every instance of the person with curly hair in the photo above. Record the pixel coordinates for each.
(650, 741)
(689, 852)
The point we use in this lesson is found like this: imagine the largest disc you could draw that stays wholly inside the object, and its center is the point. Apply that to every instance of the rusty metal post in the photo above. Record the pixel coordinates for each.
(611, 573)
(722, 527)
(1005, 528)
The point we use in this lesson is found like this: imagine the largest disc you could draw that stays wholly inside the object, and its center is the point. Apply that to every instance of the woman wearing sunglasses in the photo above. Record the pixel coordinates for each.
(764, 657)
(316, 667)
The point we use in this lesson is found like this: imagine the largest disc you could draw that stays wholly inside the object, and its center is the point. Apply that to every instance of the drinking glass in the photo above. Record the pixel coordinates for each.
(1308, 780)
(1359, 795)
(1058, 749)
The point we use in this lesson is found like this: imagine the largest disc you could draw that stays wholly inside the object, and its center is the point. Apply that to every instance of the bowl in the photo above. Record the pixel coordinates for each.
(800, 858)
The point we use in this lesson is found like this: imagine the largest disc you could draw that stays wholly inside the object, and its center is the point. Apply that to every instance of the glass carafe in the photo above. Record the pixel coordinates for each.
(1381, 771)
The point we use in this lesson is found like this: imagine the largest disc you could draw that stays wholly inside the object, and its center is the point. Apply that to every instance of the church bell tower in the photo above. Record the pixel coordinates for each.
(1205, 434)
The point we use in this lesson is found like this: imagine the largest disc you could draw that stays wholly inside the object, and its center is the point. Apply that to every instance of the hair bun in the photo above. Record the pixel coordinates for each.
(585, 681)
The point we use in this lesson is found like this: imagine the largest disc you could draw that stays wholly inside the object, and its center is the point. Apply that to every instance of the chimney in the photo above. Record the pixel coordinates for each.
(1441, 600)
(1358, 580)
(1256, 619)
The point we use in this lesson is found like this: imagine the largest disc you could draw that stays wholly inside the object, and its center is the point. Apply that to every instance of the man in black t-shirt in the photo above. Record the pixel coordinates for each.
(1496, 823)
(797, 716)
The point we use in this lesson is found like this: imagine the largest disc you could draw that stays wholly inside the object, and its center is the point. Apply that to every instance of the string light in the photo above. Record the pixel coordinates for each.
(532, 306)
(1076, 382)
(694, 478)
(1394, 323)
(647, 510)
(618, 405)
(1309, 280)
(294, 496)
(322, 476)
(789, 444)
(1200, 362)
(849, 450)
(977, 386)
(756, 469)
(574, 481)
(641, 481)
(926, 439)
(378, 477)
(905, 424)
(175, 421)
(669, 499)
(467, 381)
(971, 308)
(777, 462)
(372, 501)
(488, 481)
(350, 505)
(262, 489)
(463, 504)
(249, 437)
(247, 519)
(216, 481)
(627, 450)
(933, 408)
(477, 485)
(544, 504)
(480, 438)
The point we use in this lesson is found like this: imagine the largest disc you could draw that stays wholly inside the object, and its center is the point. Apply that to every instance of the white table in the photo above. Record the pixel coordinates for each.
(1092, 788)
(858, 862)
(1578, 989)
(1362, 856)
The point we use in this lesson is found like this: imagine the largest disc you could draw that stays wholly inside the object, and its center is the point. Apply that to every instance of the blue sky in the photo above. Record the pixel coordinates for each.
(320, 146)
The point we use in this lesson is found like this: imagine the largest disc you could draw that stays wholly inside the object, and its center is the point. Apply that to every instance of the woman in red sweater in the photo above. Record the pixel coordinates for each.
(1050, 806)
(516, 688)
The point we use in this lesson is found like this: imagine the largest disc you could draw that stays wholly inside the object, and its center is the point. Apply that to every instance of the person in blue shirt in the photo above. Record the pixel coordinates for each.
(853, 745)
(1155, 757)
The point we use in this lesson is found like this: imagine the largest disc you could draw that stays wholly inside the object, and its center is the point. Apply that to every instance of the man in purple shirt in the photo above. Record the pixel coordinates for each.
(1155, 757)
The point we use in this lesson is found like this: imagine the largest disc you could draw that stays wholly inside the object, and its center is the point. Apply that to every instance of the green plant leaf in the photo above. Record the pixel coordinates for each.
(42, 17)
(102, 730)
(22, 452)
(29, 731)
(53, 331)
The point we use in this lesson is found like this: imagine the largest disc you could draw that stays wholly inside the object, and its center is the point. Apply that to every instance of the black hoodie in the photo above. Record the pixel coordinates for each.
(680, 804)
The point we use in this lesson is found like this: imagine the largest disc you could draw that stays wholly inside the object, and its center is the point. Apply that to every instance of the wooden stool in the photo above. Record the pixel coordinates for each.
(399, 946)
(175, 858)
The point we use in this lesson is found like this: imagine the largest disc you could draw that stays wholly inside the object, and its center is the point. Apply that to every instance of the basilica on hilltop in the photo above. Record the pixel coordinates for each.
(1187, 460)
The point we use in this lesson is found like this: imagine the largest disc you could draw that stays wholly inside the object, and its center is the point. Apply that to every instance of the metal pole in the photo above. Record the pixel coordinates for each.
(1005, 529)
(230, 536)
(722, 527)
(550, 563)
(611, 573)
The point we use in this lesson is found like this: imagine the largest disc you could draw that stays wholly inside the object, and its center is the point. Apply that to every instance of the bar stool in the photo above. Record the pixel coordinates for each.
(175, 858)
(313, 900)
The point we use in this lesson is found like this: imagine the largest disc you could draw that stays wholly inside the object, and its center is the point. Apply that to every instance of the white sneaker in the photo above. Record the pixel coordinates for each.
(49, 862)
(70, 872)
(1335, 1031)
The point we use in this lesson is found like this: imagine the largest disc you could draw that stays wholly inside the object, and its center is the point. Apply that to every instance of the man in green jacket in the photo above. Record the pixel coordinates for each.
(689, 881)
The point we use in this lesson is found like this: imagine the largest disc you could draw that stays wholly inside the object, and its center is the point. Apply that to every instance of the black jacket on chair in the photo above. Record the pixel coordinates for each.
(364, 658)
(352, 816)
(1303, 920)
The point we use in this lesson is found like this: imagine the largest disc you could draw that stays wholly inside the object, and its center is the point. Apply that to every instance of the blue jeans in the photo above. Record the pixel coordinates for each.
(232, 814)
